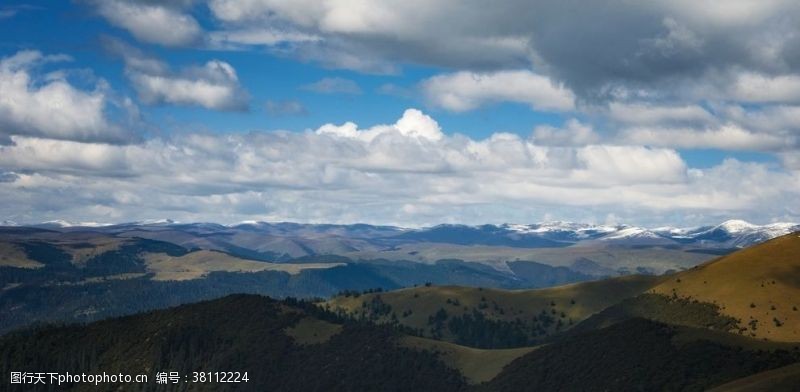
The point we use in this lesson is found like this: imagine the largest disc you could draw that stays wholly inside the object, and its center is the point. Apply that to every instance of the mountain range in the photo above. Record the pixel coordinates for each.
(730, 324)
(729, 234)
(62, 272)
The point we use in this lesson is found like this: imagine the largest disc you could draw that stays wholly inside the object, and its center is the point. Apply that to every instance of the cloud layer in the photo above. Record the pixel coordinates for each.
(625, 90)
(742, 50)
(408, 172)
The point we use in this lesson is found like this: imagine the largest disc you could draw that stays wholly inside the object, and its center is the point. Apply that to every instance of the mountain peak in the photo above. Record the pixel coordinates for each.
(736, 225)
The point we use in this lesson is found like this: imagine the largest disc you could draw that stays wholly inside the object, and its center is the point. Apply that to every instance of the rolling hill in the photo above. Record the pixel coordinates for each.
(296, 346)
(490, 318)
(200, 263)
(754, 291)
(760, 286)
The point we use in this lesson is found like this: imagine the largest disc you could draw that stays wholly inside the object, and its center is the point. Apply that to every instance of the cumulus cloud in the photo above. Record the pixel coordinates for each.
(462, 91)
(49, 106)
(413, 124)
(593, 48)
(574, 133)
(334, 85)
(213, 85)
(664, 50)
(163, 23)
(406, 172)
(387, 31)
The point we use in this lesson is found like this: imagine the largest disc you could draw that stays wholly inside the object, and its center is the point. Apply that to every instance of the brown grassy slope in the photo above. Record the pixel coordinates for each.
(197, 264)
(759, 285)
(84, 250)
(476, 365)
(612, 257)
(588, 298)
(12, 255)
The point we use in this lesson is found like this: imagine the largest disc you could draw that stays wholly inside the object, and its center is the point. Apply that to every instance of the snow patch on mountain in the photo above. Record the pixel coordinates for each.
(631, 232)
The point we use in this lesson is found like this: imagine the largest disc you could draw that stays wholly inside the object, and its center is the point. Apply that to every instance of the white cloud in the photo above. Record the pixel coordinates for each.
(593, 49)
(631, 164)
(778, 119)
(213, 85)
(49, 106)
(366, 35)
(726, 137)
(462, 91)
(150, 22)
(573, 133)
(334, 85)
(413, 124)
(408, 172)
(754, 87)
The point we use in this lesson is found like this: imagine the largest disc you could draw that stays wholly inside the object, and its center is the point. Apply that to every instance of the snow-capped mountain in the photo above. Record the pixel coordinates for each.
(729, 234)
(562, 231)
(740, 234)
(60, 223)
(636, 236)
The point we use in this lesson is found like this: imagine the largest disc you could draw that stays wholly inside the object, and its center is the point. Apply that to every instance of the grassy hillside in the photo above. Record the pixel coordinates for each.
(12, 255)
(491, 318)
(200, 263)
(666, 309)
(475, 364)
(760, 286)
(595, 259)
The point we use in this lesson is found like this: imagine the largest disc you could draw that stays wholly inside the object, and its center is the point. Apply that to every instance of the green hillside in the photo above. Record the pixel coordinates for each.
(490, 318)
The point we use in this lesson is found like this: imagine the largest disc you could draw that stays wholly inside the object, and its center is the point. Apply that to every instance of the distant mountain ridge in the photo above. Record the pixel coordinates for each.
(729, 234)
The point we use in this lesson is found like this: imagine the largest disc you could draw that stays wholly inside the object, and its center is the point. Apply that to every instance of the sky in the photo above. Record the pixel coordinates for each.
(412, 113)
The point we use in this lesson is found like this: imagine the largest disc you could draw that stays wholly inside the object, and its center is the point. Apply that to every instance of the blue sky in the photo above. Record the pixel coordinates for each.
(521, 113)
(64, 27)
